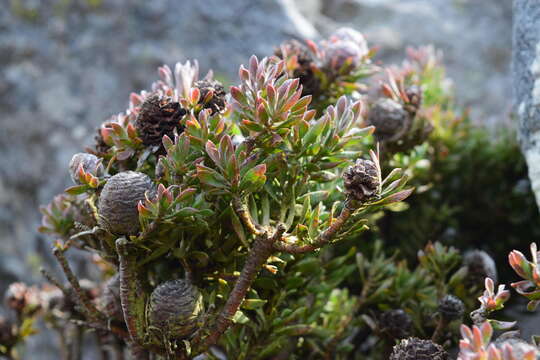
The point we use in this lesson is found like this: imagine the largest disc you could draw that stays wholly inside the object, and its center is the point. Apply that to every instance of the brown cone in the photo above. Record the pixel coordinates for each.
(361, 180)
(390, 119)
(217, 102)
(158, 116)
(417, 349)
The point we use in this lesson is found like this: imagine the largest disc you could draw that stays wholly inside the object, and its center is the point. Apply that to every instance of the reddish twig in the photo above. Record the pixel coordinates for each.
(263, 247)
(53, 281)
(324, 238)
(243, 214)
(131, 298)
(258, 255)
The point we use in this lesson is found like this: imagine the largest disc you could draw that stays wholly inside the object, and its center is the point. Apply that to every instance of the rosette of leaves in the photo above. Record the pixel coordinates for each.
(57, 216)
(476, 343)
(530, 272)
(492, 301)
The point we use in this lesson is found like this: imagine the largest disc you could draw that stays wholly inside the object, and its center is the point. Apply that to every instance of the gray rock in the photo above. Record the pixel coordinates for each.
(474, 36)
(526, 72)
(66, 66)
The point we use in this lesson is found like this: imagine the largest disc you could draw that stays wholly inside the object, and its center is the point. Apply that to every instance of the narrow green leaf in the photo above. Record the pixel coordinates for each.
(77, 189)
(265, 208)
(252, 304)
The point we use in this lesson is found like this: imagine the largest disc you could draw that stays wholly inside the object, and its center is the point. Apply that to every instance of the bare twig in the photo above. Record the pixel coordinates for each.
(53, 281)
(87, 307)
(121, 333)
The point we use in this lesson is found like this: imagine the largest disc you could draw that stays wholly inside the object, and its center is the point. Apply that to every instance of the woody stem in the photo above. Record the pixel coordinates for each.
(261, 250)
(324, 238)
(133, 303)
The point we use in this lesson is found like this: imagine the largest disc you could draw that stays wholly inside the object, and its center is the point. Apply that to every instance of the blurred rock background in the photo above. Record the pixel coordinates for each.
(67, 65)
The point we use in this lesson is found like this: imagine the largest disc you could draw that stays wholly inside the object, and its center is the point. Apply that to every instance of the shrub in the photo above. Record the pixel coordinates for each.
(234, 224)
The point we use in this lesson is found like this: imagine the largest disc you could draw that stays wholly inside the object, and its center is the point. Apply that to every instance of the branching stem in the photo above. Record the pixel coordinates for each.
(87, 307)
(263, 247)
(244, 215)
(324, 238)
(258, 255)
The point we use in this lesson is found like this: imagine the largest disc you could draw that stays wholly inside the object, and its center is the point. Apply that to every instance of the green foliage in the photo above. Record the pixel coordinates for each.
(245, 199)
(471, 182)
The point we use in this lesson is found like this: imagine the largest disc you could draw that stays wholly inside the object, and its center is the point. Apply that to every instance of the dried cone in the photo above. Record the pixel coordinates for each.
(109, 301)
(451, 308)
(90, 163)
(217, 102)
(175, 308)
(349, 34)
(158, 116)
(304, 72)
(361, 180)
(390, 119)
(417, 349)
(118, 201)
(396, 323)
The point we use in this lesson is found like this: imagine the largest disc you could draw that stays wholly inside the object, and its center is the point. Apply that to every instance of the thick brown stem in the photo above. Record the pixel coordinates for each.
(243, 214)
(324, 238)
(94, 317)
(131, 298)
(260, 252)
